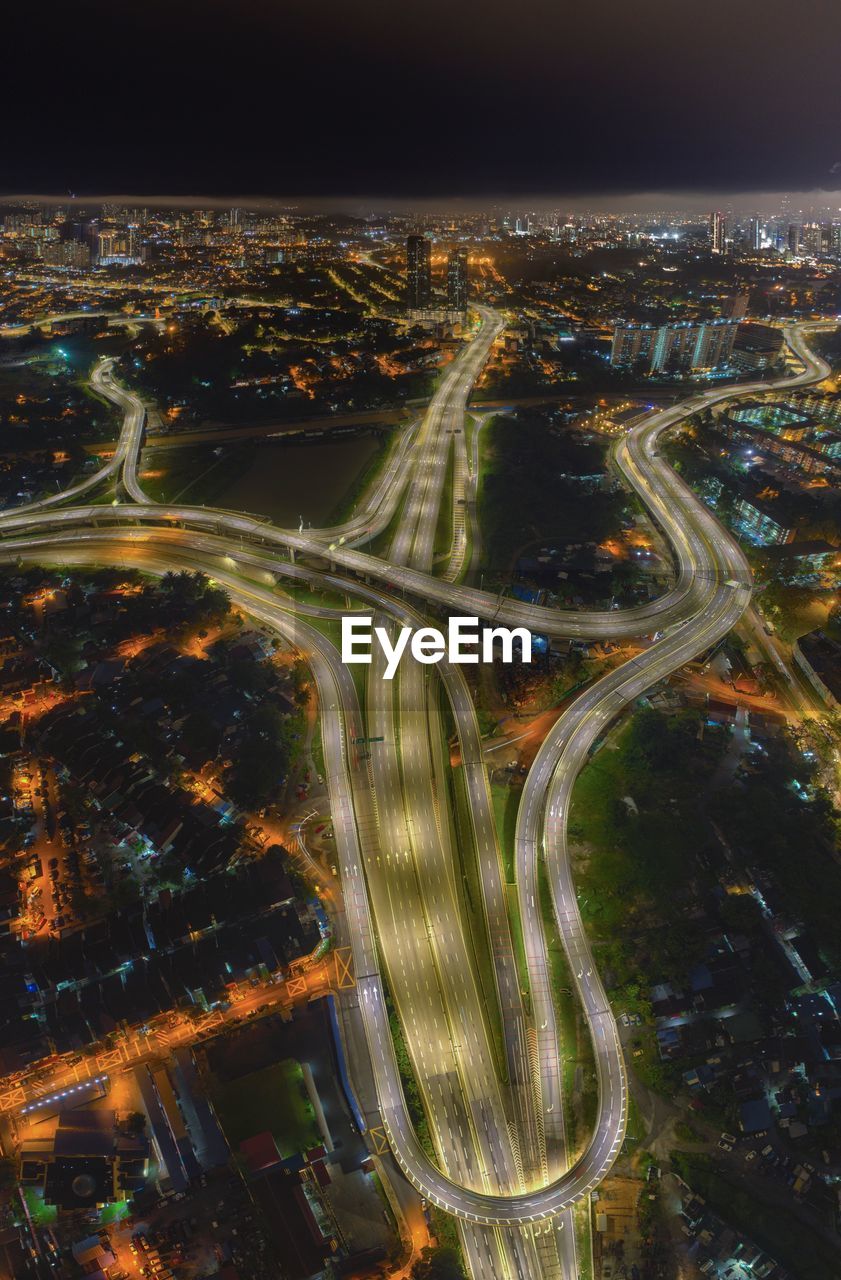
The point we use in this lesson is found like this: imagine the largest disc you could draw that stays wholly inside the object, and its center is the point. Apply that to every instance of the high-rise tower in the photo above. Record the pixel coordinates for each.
(418, 273)
(457, 280)
(718, 233)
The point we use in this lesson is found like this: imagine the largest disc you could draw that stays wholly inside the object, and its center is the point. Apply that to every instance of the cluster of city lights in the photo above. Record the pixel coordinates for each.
(63, 1093)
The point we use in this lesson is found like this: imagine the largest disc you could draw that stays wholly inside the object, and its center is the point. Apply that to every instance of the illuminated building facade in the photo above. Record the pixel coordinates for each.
(674, 347)
(457, 280)
(418, 273)
(718, 233)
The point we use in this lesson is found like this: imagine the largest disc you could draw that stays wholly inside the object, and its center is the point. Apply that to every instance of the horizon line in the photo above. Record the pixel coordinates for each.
(680, 200)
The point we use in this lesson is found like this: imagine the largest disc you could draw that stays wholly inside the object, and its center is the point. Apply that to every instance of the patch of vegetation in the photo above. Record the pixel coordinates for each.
(43, 1215)
(443, 1226)
(796, 610)
(443, 540)
(637, 826)
(476, 933)
(524, 497)
(506, 804)
(408, 1080)
(275, 1099)
(778, 808)
(366, 478)
(194, 473)
(635, 1128)
(827, 342)
(267, 747)
(443, 1262)
(636, 805)
(687, 1132)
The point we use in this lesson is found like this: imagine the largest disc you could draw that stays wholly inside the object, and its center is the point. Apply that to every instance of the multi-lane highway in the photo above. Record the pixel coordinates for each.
(443, 425)
(499, 1145)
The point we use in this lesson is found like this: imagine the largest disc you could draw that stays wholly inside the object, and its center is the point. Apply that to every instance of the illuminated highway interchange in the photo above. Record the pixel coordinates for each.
(501, 1164)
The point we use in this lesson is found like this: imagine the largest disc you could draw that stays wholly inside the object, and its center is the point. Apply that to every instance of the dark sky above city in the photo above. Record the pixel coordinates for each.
(422, 97)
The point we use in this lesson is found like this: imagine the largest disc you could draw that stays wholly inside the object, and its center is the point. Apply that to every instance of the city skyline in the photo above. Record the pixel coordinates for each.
(700, 204)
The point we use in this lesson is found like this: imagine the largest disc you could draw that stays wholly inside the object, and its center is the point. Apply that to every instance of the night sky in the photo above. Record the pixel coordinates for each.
(433, 98)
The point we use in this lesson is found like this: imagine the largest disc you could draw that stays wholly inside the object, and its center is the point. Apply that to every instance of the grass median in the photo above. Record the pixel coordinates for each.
(473, 913)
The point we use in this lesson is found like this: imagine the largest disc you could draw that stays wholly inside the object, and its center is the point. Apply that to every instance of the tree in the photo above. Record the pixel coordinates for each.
(441, 1263)
(301, 682)
(62, 651)
(193, 600)
(200, 734)
(262, 757)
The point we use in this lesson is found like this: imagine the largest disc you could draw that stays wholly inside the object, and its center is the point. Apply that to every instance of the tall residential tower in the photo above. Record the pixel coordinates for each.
(718, 233)
(418, 273)
(457, 280)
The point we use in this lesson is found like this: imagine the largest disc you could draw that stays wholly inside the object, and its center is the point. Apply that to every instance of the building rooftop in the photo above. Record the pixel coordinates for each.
(794, 550)
(261, 1152)
(754, 1116)
(85, 1132)
(79, 1183)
